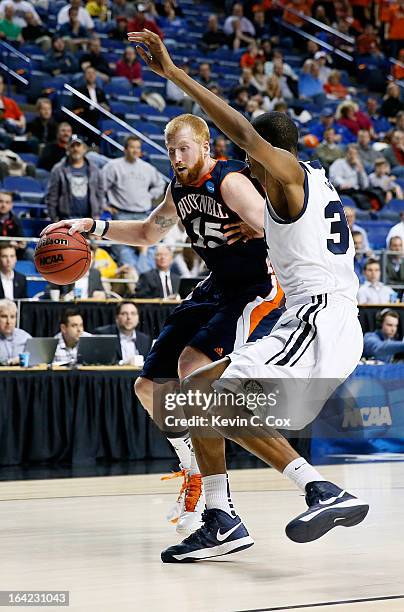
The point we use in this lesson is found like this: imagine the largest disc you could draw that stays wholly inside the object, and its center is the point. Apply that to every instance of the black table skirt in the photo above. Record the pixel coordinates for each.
(42, 318)
(74, 417)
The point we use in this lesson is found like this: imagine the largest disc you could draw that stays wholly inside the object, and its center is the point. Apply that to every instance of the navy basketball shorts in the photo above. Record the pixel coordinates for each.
(214, 323)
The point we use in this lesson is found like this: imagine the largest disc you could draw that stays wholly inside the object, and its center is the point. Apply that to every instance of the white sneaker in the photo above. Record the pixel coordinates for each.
(190, 518)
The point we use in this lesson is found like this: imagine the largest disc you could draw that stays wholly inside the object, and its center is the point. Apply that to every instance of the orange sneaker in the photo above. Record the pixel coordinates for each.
(190, 518)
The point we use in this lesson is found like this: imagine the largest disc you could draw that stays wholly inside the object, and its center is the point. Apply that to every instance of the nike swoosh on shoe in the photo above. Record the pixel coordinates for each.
(223, 536)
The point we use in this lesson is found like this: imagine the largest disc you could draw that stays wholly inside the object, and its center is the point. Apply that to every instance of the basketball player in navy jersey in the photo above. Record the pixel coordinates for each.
(318, 337)
(239, 301)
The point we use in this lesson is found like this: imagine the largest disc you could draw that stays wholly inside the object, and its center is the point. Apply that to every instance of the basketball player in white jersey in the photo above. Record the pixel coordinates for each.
(318, 337)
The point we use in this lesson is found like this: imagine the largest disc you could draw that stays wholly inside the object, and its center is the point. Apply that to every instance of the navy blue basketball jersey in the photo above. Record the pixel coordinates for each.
(204, 214)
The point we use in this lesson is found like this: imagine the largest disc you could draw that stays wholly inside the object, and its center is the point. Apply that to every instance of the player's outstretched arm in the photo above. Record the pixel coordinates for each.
(135, 233)
(282, 165)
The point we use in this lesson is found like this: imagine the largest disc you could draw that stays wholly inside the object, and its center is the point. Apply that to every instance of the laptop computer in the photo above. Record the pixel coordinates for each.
(188, 284)
(41, 350)
(97, 350)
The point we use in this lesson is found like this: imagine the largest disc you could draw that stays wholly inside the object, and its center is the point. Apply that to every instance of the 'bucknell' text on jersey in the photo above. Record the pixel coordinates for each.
(204, 214)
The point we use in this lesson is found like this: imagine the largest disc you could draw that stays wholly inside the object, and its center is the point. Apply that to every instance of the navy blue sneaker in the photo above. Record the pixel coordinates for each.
(219, 535)
(329, 506)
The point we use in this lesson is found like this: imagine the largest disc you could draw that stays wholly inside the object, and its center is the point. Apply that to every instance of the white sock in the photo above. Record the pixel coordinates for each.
(183, 448)
(194, 468)
(217, 493)
(301, 473)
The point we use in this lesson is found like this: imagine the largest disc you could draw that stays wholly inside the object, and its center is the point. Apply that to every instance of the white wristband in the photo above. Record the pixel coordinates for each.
(99, 228)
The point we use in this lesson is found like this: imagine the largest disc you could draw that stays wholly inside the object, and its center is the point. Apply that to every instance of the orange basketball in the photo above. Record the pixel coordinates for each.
(62, 259)
(311, 141)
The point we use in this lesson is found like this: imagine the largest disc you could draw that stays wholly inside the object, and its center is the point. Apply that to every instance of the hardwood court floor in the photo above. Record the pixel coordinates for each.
(100, 538)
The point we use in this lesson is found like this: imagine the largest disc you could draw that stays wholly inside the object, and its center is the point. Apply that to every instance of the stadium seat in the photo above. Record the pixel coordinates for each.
(22, 184)
(29, 158)
(162, 163)
(396, 206)
(26, 267)
(377, 232)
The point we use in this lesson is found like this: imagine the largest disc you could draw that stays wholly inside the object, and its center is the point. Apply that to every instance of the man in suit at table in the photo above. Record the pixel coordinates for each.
(161, 282)
(130, 341)
(13, 285)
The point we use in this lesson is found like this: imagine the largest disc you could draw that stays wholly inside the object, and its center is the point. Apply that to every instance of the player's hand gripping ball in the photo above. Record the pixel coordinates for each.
(62, 258)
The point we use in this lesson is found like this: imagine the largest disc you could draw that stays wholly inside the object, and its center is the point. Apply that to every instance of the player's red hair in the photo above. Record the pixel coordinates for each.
(198, 126)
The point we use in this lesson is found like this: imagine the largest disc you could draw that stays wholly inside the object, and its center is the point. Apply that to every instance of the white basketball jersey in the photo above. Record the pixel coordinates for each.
(314, 254)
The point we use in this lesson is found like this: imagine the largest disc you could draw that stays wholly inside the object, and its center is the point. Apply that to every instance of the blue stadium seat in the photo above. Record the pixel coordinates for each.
(117, 88)
(22, 184)
(162, 163)
(347, 201)
(26, 267)
(377, 232)
(29, 158)
(119, 108)
(33, 227)
(396, 206)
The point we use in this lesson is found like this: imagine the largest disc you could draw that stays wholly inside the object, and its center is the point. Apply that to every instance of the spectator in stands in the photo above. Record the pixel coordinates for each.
(368, 40)
(324, 71)
(71, 330)
(58, 60)
(75, 186)
(73, 32)
(160, 282)
(109, 270)
(85, 111)
(204, 76)
(131, 341)
(13, 285)
(12, 339)
(246, 80)
(95, 58)
(98, 9)
(214, 37)
(170, 19)
(260, 25)
(89, 286)
(395, 263)
(289, 86)
(128, 66)
(11, 226)
(372, 291)
(277, 58)
(394, 154)
(55, 151)
(120, 31)
(240, 99)
(140, 22)
(251, 56)
(400, 121)
(122, 8)
(328, 151)
(9, 30)
(35, 32)
(392, 103)
(272, 94)
(381, 344)
(131, 186)
(379, 123)
(360, 256)
(12, 119)
(220, 148)
(396, 230)
(350, 215)
(327, 120)
(349, 115)
(366, 152)
(395, 27)
(259, 78)
(334, 89)
(397, 70)
(84, 17)
(239, 30)
(175, 95)
(21, 7)
(310, 86)
(43, 127)
(382, 179)
(349, 177)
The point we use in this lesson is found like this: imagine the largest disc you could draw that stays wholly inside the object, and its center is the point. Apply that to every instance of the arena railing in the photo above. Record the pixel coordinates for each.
(320, 25)
(121, 122)
(5, 51)
(320, 42)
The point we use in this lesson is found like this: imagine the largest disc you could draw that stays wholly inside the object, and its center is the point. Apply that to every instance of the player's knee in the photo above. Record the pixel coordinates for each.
(190, 360)
(144, 391)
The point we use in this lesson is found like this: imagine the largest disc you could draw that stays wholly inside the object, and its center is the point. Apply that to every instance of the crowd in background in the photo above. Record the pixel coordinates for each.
(350, 115)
